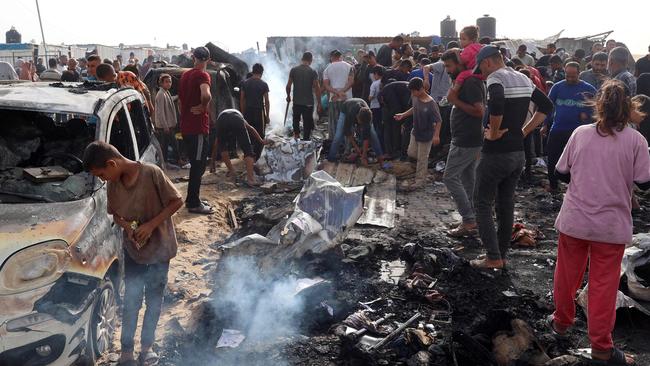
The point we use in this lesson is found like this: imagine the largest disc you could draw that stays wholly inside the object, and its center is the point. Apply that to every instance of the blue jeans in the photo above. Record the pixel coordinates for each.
(339, 138)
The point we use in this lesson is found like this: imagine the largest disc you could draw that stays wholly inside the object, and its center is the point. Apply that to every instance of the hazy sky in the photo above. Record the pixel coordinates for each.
(238, 27)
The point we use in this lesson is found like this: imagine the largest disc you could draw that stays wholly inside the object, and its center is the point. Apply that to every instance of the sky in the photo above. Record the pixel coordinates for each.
(237, 28)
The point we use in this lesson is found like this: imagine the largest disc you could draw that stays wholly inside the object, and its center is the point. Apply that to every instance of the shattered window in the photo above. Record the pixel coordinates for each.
(120, 135)
(40, 156)
(140, 126)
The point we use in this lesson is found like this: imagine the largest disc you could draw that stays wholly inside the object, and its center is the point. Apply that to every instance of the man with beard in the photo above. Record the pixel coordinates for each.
(617, 68)
(597, 75)
(569, 97)
(502, 157)
(466, 141)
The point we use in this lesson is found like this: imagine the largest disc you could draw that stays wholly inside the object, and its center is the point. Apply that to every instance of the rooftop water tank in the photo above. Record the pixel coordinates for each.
(448, 28)
(13, 36)
(487, 26)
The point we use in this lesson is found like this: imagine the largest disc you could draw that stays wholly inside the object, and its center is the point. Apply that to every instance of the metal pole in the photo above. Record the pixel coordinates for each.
(38, 9)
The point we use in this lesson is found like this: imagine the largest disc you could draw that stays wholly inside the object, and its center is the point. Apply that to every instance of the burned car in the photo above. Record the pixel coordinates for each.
(60, 252)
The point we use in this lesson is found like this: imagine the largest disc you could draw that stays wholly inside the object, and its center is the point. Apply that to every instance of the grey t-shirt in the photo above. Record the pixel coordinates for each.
(425, 116)
(303, 78)
(466, 130)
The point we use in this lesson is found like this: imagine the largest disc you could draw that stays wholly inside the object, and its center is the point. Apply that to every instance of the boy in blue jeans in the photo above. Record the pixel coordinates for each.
(142, 201)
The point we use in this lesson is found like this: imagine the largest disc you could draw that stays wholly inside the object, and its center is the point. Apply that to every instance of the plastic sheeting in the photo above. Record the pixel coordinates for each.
(635, 256)
(288, 160)
(324, 214)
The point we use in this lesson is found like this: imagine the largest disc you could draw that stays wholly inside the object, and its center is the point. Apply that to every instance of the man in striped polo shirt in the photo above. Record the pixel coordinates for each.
(502, 158)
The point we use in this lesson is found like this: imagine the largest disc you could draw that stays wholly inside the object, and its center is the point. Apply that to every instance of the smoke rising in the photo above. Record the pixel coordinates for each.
(262, 307)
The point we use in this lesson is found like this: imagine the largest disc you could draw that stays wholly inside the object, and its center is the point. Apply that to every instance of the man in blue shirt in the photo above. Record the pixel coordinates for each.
(419, 73)
(568, 97)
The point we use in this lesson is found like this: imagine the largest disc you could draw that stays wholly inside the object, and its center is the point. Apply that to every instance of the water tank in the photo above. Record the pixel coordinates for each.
(448, 28)
(13, 36)
(487, 26)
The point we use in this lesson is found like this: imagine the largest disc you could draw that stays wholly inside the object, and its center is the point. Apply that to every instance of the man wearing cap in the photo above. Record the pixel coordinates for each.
(338, 78)
(502, 159)
(194, 97)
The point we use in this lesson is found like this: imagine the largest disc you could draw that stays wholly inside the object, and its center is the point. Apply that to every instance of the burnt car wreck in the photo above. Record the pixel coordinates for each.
(60, 252)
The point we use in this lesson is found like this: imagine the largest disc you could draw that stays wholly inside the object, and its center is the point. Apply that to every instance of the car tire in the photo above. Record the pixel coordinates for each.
(102, 323)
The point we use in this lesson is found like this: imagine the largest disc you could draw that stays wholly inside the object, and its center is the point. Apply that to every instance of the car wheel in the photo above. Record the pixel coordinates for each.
(102, 326)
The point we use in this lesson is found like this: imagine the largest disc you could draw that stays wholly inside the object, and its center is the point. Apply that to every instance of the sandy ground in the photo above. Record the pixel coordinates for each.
(188, 272)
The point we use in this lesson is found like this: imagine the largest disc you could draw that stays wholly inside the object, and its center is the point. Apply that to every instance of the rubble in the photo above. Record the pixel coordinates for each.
(287, 159)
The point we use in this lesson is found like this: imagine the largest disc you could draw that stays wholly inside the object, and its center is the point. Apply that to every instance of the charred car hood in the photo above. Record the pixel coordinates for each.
(22, 225)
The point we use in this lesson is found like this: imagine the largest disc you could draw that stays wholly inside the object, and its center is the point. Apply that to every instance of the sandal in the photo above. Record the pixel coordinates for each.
(551, 328)
(461, 231)
(201, 209)
(617, 358)
(487, 264)
(151, 358)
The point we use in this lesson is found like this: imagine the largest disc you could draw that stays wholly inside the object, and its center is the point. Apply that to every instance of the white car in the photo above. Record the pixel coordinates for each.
(60, 252)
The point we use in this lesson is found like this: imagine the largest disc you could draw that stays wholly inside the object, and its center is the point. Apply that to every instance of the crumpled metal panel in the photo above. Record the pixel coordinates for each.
(381, 193)
(635, 256)
(287, 159)
(324, 214)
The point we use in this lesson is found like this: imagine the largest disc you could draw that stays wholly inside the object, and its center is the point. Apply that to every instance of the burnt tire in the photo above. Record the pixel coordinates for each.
(102, 322)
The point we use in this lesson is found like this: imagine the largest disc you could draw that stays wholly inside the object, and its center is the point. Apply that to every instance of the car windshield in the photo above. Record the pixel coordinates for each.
(40, 156)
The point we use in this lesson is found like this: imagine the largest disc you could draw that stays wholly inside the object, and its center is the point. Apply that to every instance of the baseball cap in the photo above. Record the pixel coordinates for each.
(487, 51)
(201, 53)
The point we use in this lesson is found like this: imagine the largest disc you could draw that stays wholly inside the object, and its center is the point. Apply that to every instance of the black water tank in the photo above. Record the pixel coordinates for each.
(13, 36)
(448, 28)
(487, 26)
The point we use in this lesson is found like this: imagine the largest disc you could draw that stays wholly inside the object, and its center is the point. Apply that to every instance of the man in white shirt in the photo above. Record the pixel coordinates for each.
(522, 55)
(338, 78)
(51, 74)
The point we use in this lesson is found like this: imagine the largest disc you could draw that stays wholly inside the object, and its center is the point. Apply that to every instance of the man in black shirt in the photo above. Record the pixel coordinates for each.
(356, 116)
(466, 141)
(305, 84)
(254, 103)
(642, 65)
(502, 159)
(396, 97)
(385, 53)
(232, 130)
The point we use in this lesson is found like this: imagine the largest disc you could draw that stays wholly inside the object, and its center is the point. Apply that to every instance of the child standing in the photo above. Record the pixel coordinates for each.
(375, 106)
(142, 201)
(165, 119)
(426, 128)
(601, 162)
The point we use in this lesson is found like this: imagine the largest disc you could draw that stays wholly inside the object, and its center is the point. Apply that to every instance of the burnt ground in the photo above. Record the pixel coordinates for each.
(482, 303)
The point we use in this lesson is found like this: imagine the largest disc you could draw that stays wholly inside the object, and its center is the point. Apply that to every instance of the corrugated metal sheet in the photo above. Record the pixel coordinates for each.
(379, 200)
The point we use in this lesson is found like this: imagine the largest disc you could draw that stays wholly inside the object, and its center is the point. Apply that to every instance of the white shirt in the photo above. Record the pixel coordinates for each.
(337, 73)
(374, 93)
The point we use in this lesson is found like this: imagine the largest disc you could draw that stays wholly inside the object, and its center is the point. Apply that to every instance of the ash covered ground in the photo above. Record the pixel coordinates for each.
(369, 265)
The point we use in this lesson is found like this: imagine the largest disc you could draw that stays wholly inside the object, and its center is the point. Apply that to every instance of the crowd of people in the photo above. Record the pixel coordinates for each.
(498, 113)
(586, 113)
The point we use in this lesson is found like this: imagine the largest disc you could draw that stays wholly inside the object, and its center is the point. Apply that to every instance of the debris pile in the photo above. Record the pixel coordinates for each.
(288, 159)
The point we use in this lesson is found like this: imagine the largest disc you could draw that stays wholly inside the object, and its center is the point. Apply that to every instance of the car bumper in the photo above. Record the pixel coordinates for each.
(51, 342)
(55, 332)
